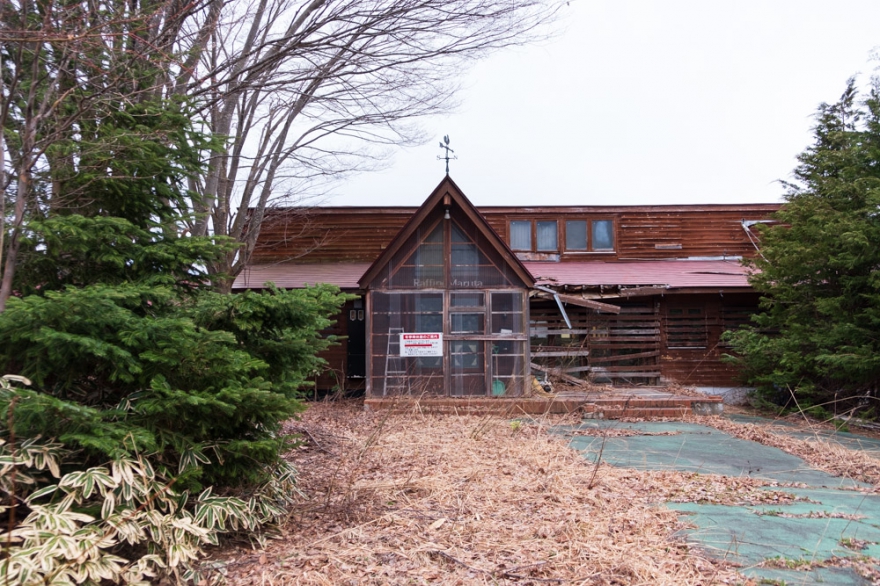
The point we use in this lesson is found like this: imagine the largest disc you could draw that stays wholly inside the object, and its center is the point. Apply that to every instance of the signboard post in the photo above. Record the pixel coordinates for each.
(422, 344)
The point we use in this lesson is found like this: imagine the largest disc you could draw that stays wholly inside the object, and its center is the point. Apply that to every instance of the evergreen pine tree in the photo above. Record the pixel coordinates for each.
(819, 268)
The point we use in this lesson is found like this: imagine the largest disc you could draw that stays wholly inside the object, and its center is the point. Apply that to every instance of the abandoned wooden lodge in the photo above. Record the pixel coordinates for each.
(459, 302)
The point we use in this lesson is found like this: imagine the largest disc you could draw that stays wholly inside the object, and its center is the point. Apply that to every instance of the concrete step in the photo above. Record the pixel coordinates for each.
(607, 407)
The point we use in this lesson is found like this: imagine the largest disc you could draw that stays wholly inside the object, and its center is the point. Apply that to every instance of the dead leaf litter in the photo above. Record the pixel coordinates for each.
(407, 498)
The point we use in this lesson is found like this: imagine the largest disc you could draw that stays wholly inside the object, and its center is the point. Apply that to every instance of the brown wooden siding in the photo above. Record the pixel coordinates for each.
(621, 348)
(641, 232)
(328, 235)
(701, 364)
(632, 347)
(651, 236)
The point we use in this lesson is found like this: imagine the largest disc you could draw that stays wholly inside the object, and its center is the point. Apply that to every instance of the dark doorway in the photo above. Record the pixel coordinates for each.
(357, 341)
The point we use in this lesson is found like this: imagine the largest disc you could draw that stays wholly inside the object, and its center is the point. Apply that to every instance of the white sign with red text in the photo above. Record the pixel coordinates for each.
(424, 344)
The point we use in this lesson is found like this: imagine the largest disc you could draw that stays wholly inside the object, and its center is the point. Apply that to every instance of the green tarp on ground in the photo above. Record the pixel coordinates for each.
(833, 515)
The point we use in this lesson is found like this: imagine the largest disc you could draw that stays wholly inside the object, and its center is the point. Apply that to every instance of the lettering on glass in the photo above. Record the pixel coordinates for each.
(438, 284)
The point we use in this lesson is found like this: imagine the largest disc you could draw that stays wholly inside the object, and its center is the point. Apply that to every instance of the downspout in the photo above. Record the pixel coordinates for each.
(558, 302)
(746, 224)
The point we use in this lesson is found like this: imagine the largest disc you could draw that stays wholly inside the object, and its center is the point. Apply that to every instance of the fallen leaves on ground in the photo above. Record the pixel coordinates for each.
(393, 498)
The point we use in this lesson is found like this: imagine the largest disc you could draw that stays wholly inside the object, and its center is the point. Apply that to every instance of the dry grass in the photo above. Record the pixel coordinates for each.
(414, 499)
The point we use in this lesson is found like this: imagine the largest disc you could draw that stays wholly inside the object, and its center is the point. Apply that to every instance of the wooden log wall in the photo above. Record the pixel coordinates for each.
(663, 339)
(692, 326)
(328, 234)
(619, 348)
(641, 232)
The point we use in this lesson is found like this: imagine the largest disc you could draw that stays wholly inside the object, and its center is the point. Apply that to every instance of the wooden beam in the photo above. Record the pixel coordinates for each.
(557, 373)
(580, 301)
(642, 291)
(618, 357)
(574, 353)
(606, 307)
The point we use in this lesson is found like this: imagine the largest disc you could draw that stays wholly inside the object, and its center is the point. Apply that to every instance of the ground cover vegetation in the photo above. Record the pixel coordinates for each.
(816, 342)
(412, 497)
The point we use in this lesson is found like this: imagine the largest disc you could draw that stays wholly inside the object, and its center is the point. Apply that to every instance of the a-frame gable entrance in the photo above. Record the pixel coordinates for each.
(447, 307)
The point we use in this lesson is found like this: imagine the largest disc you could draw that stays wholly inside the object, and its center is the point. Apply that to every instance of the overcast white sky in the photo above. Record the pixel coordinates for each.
(642, 102)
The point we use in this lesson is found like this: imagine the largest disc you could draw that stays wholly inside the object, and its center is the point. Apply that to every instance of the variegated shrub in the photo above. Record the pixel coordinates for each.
(120, 522)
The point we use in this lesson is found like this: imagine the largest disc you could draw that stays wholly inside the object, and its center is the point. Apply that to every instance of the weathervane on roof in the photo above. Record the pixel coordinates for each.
(446, 157)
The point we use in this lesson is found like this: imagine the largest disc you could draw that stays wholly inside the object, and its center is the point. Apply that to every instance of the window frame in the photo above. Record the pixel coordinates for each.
(533, 238)
(562, 235)
(531, 224)
(588, 220)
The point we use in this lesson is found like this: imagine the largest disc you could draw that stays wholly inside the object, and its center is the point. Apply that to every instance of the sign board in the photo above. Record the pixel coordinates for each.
(426, 344)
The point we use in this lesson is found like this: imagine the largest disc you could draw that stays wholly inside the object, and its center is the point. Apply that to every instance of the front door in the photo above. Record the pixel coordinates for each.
(356, 366)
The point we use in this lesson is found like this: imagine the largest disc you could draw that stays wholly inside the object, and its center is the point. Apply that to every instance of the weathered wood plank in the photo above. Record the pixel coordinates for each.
(619, 357)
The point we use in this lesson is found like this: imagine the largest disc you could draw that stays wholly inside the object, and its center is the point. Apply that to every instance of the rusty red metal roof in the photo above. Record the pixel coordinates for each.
(663, 273)
(293, 275)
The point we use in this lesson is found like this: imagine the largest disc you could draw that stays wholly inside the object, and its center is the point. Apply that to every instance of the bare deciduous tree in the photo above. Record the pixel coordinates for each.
(307, 90)
(301, 91)
(66, 65)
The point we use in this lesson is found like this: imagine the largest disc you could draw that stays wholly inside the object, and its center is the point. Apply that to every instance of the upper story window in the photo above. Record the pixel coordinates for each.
(521, 235)
(547, 241)
(589, 235)
(543, 233)
(579, 235)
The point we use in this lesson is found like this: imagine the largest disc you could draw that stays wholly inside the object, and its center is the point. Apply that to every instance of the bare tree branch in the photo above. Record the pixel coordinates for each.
(302, 92)
(311, 91)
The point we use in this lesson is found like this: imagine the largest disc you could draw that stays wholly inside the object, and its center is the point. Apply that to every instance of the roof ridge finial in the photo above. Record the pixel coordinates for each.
(446, 157)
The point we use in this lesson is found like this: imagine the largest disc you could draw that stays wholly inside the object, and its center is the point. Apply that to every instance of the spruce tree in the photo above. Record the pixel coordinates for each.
(819, 268)
(116, 324)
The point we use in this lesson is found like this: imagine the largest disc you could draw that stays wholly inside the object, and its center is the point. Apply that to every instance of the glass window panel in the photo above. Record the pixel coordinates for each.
(468, 323)
(576, 235)
(429, 323)
(603, 235)
(429, 312)
(436, 235)
(466, 300)
(465, 255)
(466, 355)
(429, 301)
(429, 363)
(507, 313)
(507, 323)
(507, 302)
(521, 235)
(426, 384)
(508, 348)
(429, 254)
(507, 365)
(458, 234)
(547, 236)
(468, 385)
(507, 386)
(476, 276)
